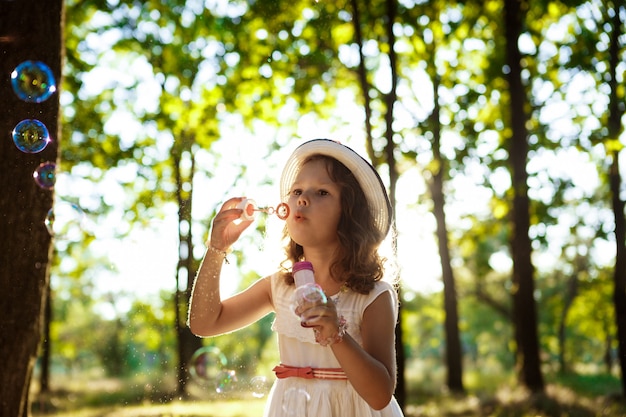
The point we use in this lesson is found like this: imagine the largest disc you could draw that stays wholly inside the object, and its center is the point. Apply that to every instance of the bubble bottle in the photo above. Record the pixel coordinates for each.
(307, 291)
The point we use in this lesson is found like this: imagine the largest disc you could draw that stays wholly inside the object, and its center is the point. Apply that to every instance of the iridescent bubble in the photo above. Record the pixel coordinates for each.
(207, 363)
(65, 221)
(259, 386)
(311, 293)
(45, 175)
(33, 81)
(225, 381)
(31, 136)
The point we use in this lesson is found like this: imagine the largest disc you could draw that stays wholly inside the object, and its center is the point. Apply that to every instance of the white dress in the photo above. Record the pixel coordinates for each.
(300, 397)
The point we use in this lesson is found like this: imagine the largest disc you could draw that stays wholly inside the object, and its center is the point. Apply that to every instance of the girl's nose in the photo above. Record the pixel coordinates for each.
(302, 200)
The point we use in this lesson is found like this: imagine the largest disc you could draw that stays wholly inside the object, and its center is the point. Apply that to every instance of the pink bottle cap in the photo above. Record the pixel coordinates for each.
(299, 266)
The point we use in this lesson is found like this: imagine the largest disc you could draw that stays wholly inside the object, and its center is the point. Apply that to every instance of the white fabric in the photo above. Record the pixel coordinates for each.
(299, 397)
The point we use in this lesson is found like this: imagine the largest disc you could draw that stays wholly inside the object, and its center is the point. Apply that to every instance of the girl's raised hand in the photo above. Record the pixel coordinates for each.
(228, 224)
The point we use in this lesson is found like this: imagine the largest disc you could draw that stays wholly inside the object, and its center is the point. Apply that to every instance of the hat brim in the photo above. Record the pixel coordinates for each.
(364, 172)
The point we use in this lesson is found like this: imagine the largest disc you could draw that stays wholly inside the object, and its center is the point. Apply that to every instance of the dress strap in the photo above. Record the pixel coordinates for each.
(286, 371)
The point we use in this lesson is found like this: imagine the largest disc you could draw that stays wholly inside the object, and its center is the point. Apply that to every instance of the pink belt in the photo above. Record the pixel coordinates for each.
(285, 371)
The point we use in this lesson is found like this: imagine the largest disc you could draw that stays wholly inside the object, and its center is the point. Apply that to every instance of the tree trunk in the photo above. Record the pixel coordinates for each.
(390, 101)
(619, 275)
(44, 377)
(524, 306)
(187, 342)
(362, 76)
(28, 31)
(568, 299)
(454, 353)
(615, 180)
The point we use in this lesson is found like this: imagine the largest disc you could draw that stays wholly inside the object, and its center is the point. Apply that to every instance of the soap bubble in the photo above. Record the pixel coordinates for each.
(207, 363)
(259, 386)
(311, 293)
(295, 401)
(31, 136)
(65, 221)
(45, 175)
(33, 81)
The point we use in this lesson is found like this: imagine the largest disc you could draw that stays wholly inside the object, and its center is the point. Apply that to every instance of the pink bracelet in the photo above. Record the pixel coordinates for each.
(342, 327)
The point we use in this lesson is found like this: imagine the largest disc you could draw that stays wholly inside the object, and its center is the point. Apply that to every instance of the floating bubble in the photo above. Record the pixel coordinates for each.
(45, 175)
(33, 81)
(310, 293)
(295, 401)
(259, 386)
(225, 381)
(207, 363)
(65, 221)
(31, 136)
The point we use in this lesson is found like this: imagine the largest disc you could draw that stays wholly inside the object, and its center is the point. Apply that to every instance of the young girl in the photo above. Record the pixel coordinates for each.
(337, 357)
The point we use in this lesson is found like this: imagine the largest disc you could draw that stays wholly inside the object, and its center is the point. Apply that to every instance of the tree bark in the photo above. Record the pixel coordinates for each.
(524, 306)
(28, 31)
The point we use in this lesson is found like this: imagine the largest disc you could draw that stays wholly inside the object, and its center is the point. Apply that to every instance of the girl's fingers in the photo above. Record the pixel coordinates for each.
(226, 229)
(317, 316)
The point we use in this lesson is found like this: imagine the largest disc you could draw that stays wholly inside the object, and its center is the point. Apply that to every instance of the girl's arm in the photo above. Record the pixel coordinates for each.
(208, 314)
(371, 369)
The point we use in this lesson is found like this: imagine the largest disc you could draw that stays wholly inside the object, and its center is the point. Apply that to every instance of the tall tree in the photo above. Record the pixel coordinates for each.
(390, 100)
(28, 31)
(439, 31)
(524, 305)
(615, 128)
(454, 354)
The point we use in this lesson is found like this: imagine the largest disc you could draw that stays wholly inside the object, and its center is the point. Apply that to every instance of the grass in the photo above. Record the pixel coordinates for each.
(565, 396)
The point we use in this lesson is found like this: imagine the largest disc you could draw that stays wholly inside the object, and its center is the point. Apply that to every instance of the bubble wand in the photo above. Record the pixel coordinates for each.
(249, 207)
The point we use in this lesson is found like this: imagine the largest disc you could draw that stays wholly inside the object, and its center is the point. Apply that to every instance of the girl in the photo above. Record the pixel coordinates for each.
(338, 359)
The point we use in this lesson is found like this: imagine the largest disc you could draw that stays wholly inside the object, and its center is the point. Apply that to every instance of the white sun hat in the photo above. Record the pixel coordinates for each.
(364, 172)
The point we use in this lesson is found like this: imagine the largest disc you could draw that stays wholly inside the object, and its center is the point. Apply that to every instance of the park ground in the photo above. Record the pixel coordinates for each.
(567, 396)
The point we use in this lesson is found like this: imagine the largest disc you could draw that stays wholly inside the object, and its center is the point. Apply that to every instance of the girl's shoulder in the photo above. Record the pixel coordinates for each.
(382, 287)
(359, 302)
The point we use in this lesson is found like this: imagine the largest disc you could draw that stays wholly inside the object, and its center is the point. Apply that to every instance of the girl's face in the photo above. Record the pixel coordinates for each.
(315, 203)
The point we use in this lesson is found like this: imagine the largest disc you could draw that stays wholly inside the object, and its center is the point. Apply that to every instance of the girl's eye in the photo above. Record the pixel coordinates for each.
(296, 192)
(323, 192)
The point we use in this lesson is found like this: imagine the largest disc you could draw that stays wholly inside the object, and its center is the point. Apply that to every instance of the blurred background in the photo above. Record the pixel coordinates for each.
(496, 125)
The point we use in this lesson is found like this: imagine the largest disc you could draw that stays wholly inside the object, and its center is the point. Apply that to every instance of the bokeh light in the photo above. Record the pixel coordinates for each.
(33, 81)
(225, 381)
(31, 136)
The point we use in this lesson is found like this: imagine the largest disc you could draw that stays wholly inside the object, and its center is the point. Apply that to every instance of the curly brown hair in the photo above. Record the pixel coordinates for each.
(357, 263)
